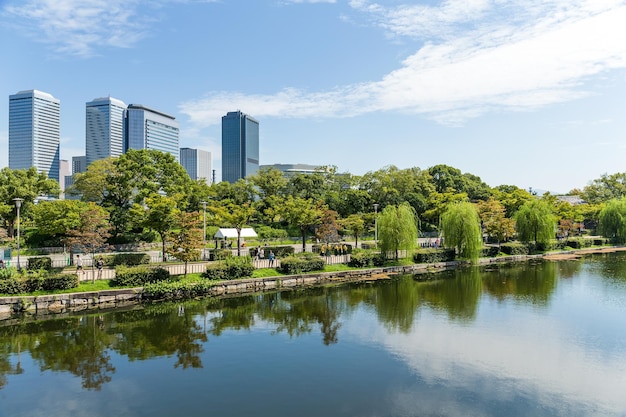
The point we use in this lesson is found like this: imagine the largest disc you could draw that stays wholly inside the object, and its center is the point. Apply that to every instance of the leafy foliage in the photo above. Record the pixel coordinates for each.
(535, 222)
(460, 225)
(303, 262)
(397, 229)
(138, 276)
(612, 220)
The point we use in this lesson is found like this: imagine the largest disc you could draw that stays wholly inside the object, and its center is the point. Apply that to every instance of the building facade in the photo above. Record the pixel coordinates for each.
(197, 163)
(292, 169)
(146, 128)
(79, 164)
(104, 128)
(240, 146)
(35, 132)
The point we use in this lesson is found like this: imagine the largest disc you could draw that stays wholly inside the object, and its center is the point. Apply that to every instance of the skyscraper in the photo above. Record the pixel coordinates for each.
(240, 146)
(146, 128)
(197, 163)
(34, 132)
(104, 127)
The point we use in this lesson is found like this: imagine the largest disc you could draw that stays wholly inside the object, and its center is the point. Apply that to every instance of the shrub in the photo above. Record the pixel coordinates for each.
(8, 272)
(219, 254)
(13, 286)
(432, 255)
(234, 267)
(361, 258)
(514, 248)
(578, 242)
(600, 241)
(304, 262)
(56, 282)
(180, 289)
(138, 276)
(128, 259)
(490, 251)
(42, 262)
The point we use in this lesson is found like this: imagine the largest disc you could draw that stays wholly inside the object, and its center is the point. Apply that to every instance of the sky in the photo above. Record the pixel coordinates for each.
(522, 92)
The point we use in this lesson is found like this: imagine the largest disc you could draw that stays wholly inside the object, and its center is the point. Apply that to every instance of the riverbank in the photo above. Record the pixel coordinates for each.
(44, 306)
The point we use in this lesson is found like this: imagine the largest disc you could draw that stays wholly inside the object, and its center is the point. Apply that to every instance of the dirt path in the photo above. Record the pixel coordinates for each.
(581, 252)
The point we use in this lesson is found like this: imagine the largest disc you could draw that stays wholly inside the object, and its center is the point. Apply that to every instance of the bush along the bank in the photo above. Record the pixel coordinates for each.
(490, 251)
(302, 262)
(361, 258)
(41, 262)
(514, 248)
(128, 259)
(432, 255)
(138, 276)
(234, 267)
(16, 283)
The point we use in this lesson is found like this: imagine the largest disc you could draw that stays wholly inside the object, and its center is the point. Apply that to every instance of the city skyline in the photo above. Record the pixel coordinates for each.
(525, 93)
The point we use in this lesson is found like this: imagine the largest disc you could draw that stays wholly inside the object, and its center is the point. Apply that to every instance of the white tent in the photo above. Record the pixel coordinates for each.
(232, 233)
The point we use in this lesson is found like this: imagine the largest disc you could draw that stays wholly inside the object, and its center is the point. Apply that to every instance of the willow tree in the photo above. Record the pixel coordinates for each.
(461, 229)
(397, 229)
(612, 220)
(535, 222)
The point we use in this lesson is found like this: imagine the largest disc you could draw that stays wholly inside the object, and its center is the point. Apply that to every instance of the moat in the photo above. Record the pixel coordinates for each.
(538, 338)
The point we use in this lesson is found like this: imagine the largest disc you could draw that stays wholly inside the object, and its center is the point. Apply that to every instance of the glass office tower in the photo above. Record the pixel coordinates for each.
(35, 132)
(197, 163)
(146, 128)
(240, 146)
(104, 127)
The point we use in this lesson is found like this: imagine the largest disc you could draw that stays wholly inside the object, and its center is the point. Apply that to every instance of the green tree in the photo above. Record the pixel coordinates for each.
(328, 229)
(300, 212)
(535, 222)
(91, 234)
(185, 240)
(230, 214)
(160, 215)
(397, 229)
(54, 218)
(461, 229)
(612, 220)
(27, 184)
(493, 217)
(606, 188)
(355, 225)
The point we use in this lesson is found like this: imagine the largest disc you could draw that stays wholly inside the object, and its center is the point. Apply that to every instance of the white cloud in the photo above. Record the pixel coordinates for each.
(78, 27)
(530, 57)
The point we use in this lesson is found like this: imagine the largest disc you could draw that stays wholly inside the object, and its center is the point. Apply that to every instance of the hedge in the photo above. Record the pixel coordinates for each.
(490, 251)
(177, 289)
(42, 262)
(361, 258)
(128, 259)
(514, 248)
(304, 262)
(138, 276)
(37, 282)
(231, 268)
(433, 255)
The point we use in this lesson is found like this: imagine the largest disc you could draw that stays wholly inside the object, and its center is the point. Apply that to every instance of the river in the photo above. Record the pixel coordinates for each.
(533, 339)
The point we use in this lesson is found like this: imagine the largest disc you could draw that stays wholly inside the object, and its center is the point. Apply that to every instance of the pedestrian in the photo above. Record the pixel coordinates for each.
(79, 265)
(271, 258)
(100, 265)
(261, 253)
(2, 265)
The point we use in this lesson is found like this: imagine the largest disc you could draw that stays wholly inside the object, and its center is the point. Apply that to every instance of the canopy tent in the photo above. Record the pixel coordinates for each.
(232, 233)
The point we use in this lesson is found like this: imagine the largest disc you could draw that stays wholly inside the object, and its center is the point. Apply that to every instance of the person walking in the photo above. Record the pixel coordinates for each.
(271, 258)
(100, 265)
(79, 265)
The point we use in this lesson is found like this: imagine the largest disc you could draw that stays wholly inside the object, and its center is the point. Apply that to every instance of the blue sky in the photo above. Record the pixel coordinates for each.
(523, 92)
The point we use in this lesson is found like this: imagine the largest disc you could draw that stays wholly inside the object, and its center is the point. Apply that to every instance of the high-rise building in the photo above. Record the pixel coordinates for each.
(64, 171)
(197, 163)
(240, 146)
(146, 128)
(79, 164)
(289, 170)
(35, 132)
(104, 128)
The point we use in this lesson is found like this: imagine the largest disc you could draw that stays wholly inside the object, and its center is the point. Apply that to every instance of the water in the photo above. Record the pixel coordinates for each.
(544, 339)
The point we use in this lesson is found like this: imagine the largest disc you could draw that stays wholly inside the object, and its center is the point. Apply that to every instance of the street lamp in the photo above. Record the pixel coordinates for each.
(376, 223)
(18, 204)
(204, 203)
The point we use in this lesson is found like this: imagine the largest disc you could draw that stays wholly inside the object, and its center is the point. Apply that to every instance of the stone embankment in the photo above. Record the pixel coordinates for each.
(65, 303)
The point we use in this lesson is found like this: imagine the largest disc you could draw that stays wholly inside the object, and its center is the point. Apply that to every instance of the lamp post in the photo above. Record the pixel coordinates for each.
(204, 203)
(18, 204)
(376, 223)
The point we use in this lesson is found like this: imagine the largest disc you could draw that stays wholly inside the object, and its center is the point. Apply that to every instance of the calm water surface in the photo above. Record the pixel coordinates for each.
(545, 339)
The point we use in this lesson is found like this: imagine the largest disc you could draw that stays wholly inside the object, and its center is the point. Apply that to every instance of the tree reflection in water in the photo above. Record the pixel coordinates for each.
(82, 345)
